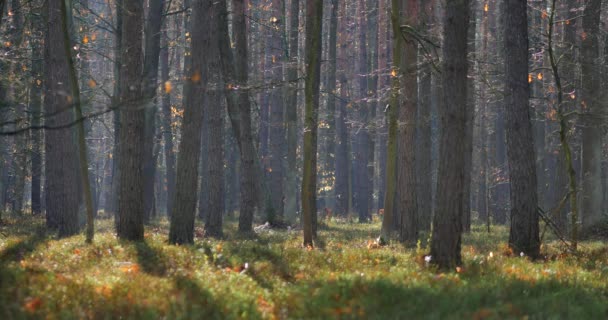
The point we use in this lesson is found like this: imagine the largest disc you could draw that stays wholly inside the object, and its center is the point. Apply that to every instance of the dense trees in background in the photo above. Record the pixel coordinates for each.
(432, 115)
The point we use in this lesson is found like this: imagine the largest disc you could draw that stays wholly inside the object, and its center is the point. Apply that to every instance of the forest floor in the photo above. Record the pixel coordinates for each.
(270, 276)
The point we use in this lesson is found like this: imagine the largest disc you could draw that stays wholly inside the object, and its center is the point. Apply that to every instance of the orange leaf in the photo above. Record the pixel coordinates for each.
(32, 304)
(196, 77)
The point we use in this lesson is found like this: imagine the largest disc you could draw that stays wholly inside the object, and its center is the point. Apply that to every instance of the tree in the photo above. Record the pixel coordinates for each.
(393, 112)
(447, 221)
(406, 168)
(151, 61)
(195, 88)
(523, 235)
(61, 151)
(425, 142)
(291, 105)
(214, 112)
(36, 89)
(276, 132)
(248, 184)
(130, 202)
(314, 16)
(592, 133)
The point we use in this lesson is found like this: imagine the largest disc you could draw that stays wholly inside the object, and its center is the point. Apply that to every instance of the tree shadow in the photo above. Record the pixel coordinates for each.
(504, 298)
(151, 260)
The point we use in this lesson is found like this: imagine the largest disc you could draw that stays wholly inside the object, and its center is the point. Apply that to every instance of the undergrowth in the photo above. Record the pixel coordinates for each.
(270, 276)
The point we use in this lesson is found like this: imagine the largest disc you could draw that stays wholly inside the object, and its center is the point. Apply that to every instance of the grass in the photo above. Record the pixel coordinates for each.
(270, 276)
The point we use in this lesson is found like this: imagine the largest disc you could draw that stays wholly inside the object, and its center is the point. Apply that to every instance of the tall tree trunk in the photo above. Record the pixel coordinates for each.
(132, 116)
(447, 222)
(470, 125)
(592, 110)
(425, 142)
(196, 86)
(214, 112)
(341, 155)
(393, 112)
(314, 16)
(361, 185)
(117, 113)
(35, 108)
(167, 123)
(248, 154)
(151, 61)
(406, 169)
(61, 150)
(291, 105)
(276, 132)
(523, 236)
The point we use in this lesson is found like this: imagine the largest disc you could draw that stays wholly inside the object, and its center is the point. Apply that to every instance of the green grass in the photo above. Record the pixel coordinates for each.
(345, 277)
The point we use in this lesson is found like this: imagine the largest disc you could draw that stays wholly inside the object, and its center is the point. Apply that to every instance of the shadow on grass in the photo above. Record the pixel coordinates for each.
(383, 299)
(151, 259)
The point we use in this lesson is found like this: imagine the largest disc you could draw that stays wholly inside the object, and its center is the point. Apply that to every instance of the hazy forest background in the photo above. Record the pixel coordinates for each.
(298, 159)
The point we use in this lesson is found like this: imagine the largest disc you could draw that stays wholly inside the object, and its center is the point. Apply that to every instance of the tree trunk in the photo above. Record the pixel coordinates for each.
(523, 236)
(425, 142)
(167, 123)
(151, 61)
(196, 86)
(276, 132)
(470, 125)
(36, 91)
(61, 150)
(214, 112)
(291, 105)
(592, 113)
(447, 222)
(393, 112)
(131, 202)
(314, 16)
(361, 136)
(406, 169)
(341, 156)
(248, 154)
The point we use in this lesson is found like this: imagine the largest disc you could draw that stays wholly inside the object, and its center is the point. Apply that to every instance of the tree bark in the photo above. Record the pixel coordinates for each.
(196, 86)
(276, 132)
(214, 112)
(592, 113)
(131, 201)
(154, 22)
(523, 235)
(248, 154)
(406, 169)
(291, 113)
(60, 148)
(314, 16)
(447, 222)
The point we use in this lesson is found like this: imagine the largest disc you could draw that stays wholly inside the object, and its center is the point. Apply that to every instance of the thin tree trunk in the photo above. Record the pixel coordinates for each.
(314, 15)
(151, 61)
(406, 169)
(167, 123)
(36, 91)
(291, 105)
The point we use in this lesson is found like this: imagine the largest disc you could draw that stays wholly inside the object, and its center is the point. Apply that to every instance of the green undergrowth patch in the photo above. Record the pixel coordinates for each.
(270, 276)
